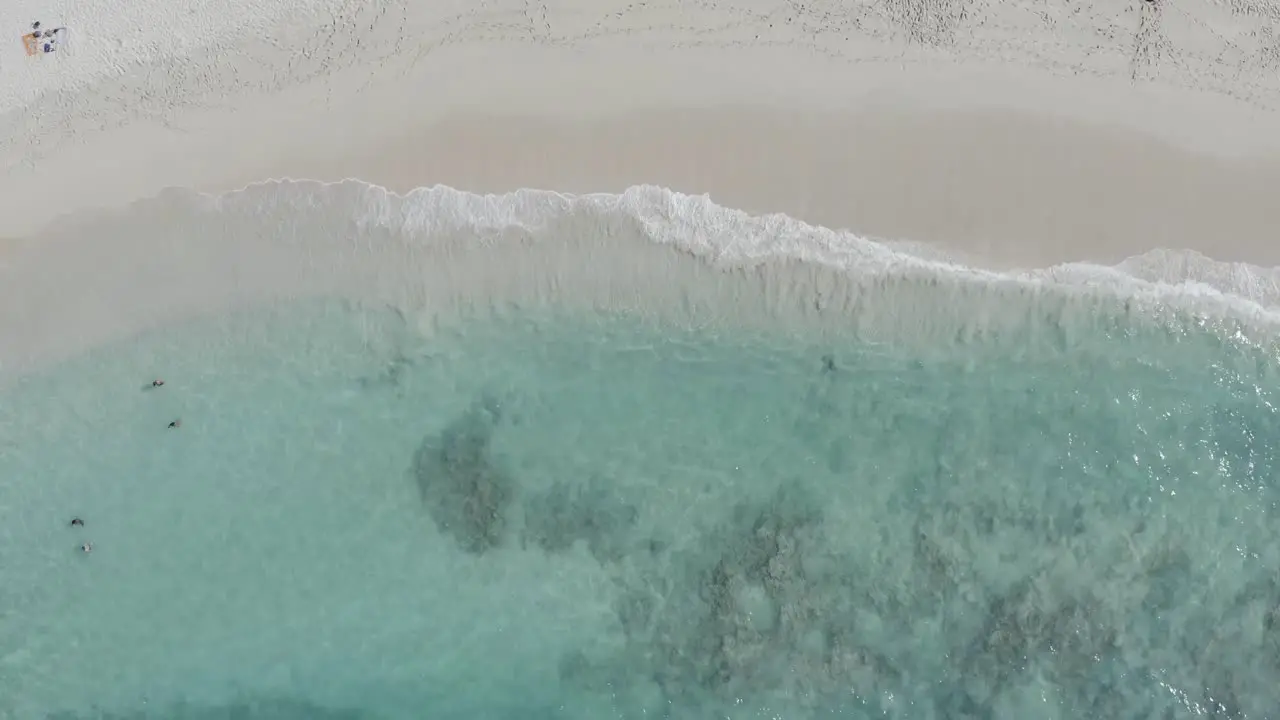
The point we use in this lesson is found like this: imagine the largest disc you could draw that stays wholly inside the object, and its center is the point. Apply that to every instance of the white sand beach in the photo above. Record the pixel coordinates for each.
(1022, 133)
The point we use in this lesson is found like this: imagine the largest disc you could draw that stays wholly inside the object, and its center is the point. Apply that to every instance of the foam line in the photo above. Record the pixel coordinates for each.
(698, 225)
(104, 275)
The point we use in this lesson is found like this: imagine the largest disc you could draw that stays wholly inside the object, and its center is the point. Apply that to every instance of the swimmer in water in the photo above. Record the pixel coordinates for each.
(77, 522)
(176, 423)
(828, 363)
(157, 383)
(87, 547)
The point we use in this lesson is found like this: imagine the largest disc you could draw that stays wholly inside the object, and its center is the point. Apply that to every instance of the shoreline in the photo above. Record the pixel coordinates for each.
(1030, 160)
(1002, 189)
(441, 255)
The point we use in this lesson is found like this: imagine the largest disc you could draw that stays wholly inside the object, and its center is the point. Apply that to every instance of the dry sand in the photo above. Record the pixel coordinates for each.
(1025, 133)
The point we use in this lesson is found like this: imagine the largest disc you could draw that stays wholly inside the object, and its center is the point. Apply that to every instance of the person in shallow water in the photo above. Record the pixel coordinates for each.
(157, 383)
(176, 423)
(77, 522)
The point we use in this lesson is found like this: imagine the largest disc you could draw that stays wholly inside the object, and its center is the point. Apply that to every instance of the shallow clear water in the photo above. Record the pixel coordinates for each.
(571, 516)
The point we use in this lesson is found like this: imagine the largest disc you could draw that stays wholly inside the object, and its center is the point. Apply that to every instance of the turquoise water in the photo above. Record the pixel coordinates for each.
(562, 515)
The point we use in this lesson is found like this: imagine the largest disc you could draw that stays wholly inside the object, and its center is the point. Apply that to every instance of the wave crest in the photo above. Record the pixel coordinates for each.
(101, 274)
(730, 237)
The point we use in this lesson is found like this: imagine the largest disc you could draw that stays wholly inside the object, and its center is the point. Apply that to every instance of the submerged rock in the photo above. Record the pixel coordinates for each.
(465, 492)
(747, 615)
(555, 520)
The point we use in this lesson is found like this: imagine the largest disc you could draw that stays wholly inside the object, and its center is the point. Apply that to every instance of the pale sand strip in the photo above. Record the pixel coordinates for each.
(1021, 188)
(1004, 187)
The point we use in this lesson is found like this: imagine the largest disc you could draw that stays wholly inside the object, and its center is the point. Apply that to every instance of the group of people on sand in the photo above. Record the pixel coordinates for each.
(76, 522)
(46, 40)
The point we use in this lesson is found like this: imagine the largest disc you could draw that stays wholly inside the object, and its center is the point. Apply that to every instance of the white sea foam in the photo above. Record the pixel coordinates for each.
(1183, 278)
(100, 276)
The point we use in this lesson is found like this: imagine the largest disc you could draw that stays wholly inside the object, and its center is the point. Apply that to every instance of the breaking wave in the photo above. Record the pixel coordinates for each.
(696, 224)
(648, 249)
